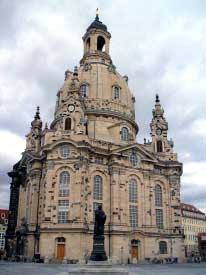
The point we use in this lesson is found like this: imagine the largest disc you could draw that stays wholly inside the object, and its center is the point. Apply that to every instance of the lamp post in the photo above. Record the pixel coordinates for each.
(122, 248)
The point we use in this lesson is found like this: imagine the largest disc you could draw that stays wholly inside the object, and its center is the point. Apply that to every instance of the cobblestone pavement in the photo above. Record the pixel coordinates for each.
(62, 269)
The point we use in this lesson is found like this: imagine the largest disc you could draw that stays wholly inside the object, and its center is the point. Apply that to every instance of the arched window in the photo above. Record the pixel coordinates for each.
(125, 134)
(88, 45)
(133, 190)
(98, 188)
(133, 159)
(163, 247)
(159, 146)
(116, 92)
(158, 195)
(134, 242)
(84, 90)
(60, 240)
(68, 123)
(86, 128)
(100, 43)
(64, 179)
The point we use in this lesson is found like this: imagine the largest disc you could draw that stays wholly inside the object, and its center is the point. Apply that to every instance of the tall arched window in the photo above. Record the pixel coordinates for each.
(163, 247)
(116, 92)
(64, 180)
(68, 123)
(125, 134)
(133, 190)
(100, 43)
(159, 146)
(84, 90)
(98, 188)
(158, 195)
(88, 45)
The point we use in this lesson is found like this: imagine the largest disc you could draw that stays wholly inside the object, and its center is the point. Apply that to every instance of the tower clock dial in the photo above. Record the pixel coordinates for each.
(158, 131)
(71, 108)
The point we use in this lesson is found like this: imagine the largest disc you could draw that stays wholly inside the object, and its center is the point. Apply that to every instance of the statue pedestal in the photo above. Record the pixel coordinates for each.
(98, 264)
(99, 268)
(98, 253)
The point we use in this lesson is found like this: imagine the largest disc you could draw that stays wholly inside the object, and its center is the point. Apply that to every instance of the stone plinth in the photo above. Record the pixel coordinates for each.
(99, 268)
(98, 253)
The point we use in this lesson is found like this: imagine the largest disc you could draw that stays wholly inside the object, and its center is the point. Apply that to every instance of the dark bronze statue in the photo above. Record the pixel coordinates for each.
(98, 253)
(100, 219)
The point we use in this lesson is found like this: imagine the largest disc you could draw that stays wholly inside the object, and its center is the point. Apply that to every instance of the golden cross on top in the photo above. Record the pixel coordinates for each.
(97, 12)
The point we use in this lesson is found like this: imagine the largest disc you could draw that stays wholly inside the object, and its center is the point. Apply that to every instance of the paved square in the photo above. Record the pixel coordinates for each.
(62, 269)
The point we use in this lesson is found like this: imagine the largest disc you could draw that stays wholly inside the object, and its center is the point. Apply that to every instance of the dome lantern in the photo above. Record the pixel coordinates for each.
(96, 40)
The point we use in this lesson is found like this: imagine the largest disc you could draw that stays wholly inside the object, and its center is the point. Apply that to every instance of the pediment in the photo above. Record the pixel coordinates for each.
(26, 157)
(59, 143)
(139, 149)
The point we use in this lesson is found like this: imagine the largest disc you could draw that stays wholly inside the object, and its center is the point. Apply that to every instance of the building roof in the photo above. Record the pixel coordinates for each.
(191, 208)
(4, 215)
(96, 24)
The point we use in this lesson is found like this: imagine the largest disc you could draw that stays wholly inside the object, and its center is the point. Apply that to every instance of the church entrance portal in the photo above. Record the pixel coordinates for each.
(60, 248)
(135, 249)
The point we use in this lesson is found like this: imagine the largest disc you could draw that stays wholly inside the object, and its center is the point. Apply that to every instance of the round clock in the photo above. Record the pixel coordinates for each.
(158, 131)
(71, 108)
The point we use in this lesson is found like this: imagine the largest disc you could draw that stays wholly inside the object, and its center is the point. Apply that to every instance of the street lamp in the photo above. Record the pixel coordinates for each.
(122, 248)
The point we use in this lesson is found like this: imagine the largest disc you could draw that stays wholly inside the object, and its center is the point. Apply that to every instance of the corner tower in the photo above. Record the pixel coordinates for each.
(159, 129)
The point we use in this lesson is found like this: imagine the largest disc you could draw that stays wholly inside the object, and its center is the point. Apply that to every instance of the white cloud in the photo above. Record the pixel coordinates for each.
(193, 184)
(194, 173)
(11, 146)
(198, 128)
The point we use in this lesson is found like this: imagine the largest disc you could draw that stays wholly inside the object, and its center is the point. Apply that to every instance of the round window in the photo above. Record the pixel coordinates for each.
(64, 151)
(133, 159)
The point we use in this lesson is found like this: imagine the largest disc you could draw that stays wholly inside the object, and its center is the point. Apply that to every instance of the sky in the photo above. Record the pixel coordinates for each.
(159, 44)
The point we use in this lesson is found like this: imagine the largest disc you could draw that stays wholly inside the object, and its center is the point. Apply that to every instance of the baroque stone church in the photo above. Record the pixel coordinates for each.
(89, 156)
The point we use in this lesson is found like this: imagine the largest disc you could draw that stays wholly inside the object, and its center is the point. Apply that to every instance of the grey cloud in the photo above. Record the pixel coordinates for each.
(4, 182)
(8, 22)
(194, 194)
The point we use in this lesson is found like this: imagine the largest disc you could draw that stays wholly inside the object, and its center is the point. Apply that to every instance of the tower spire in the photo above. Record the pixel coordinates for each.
(157, 98)
(37, 120)
(37, 115)
(158, 110)
(97, 14)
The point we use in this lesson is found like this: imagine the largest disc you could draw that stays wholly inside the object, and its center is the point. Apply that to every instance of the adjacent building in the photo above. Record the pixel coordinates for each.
(4, 214)
(193, 223)
(89, 156)
(202, 246)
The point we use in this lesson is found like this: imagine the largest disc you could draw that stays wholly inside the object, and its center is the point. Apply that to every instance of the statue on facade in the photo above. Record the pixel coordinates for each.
(98, 253)
(100, 219)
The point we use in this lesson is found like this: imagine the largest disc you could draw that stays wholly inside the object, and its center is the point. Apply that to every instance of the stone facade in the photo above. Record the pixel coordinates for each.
(89, 156)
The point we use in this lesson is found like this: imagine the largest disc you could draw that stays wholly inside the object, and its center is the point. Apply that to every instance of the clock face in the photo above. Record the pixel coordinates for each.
(71, 108)
(158, 131)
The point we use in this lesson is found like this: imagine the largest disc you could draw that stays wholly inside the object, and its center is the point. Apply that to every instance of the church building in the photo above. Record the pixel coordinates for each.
(89, 156)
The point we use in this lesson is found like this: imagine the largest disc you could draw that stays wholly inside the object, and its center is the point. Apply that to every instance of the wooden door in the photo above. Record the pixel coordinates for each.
(60, 251)
(135, 252)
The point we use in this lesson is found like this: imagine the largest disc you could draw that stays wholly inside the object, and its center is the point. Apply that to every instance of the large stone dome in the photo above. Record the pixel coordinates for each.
(107, 100)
